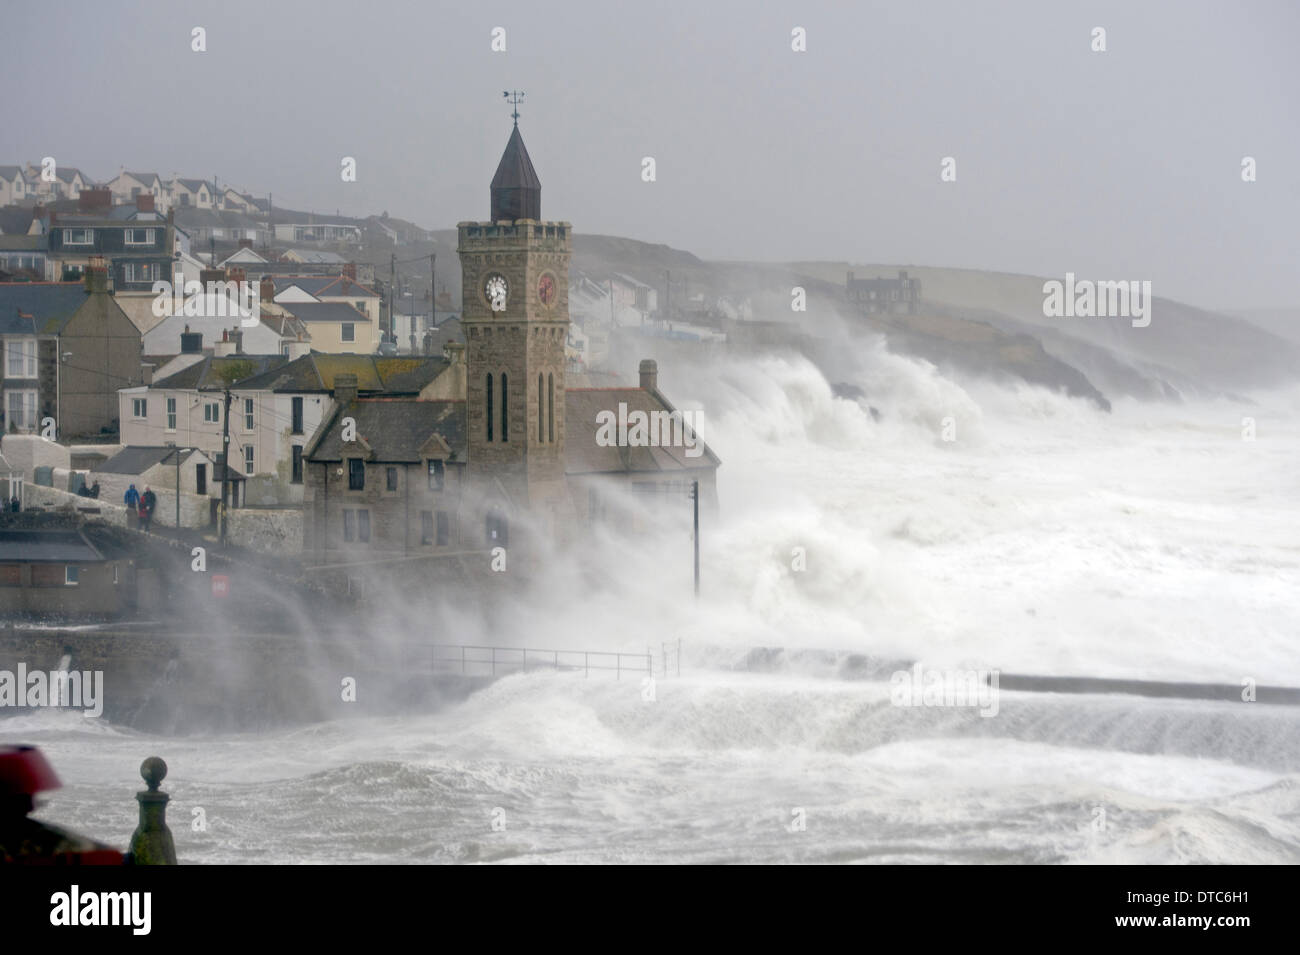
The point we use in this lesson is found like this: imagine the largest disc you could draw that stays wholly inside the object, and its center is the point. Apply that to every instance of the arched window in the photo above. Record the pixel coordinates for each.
(489, 407)
(505, 410)
(541, 409)
(550, 407)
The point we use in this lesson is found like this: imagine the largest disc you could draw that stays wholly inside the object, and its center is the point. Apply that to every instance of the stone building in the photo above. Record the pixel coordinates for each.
(902, 294)
(516, 453)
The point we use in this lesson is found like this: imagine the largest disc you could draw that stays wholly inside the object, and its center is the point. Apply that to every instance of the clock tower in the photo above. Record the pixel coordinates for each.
(515, 315)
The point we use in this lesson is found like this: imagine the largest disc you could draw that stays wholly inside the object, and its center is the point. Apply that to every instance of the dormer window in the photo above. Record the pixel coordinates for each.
(78, 236)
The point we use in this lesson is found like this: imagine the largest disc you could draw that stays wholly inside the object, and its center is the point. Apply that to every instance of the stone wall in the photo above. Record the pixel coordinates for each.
(270, 531)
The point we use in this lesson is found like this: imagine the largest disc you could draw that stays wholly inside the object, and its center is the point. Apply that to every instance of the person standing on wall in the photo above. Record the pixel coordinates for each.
(148, 501)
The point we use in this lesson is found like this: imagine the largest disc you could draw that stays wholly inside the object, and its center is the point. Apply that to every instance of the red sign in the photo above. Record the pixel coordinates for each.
(220, 585)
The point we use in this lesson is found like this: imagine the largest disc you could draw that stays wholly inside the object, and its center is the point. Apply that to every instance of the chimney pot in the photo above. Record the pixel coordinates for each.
(649, 370)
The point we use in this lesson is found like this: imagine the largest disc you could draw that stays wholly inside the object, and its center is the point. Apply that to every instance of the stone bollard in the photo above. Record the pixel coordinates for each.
(151, 843)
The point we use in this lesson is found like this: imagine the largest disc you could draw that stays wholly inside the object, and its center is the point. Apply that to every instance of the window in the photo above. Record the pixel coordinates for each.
(435, 475)
(21, 355)
(356, 474)
(139, 407)
(505, 406)
(426, 527)
(248, 459)
(248, 414)
(489, 407)
(212, 412)
(349, 332)
(363, 526)
(139, 236)
(200, 479)
(444, 528)
(70, 575)
(349, 525)
(498, 532)
(541, 403)
(78, 236)
(391, 479)
(22, 410)
(171, 414)
(297, 464)
(297, 410)
(550, 407)
(139, 272)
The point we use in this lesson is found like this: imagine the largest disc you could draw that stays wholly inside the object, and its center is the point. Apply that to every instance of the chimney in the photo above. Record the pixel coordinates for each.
(345, 389)
(245, 243)
(454, 352)
(344, 285)
(191, 342)
(95, 200)
(144, 202)
(239, 341)
(266, 290)
(649, 370)
(236, 274)
(208, 276)
(298, 349)
(97, 275)
(350, 270)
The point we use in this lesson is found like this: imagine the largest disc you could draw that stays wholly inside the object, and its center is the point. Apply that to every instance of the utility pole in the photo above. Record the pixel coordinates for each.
(225, 468)
(695, 496)
(668, 296)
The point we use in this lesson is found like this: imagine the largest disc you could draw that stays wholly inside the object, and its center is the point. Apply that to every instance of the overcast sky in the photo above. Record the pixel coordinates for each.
(1123, 164)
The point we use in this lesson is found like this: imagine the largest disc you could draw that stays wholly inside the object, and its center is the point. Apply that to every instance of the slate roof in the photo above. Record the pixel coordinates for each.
(327, 286)
(582, 455)
(317, 371)
(50, 304)
(516, 190)
(395, 429)
(136, 459)
(214, 373)
(27, 546)
(10, 172)
(16, 220)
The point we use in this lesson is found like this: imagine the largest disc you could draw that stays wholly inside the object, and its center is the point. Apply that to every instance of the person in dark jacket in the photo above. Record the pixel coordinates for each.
(148, 501)
(132, 498)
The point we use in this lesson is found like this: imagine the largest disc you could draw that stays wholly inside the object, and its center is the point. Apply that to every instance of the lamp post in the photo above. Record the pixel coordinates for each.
(178, 452)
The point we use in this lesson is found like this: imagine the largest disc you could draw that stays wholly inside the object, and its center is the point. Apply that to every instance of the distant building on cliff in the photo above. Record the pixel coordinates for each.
(885, 295)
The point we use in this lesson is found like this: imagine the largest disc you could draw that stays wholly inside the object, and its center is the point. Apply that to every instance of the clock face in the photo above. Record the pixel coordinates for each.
(496, 291)
(546, 289)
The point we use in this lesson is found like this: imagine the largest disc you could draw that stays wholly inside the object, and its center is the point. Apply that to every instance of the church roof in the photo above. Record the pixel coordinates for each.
(396, 429)
(516, 190)
(583, 454)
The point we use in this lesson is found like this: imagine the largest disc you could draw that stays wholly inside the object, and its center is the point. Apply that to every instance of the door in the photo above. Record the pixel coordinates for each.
(201, 478)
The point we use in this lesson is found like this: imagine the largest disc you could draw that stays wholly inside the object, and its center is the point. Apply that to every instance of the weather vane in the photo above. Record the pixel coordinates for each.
(514, 98)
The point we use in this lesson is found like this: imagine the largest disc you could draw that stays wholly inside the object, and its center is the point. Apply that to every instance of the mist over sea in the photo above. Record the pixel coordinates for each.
(1049, 537)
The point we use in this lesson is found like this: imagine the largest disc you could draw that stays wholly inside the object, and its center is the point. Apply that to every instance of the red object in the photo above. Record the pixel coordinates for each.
(25, 771)
(220, 585)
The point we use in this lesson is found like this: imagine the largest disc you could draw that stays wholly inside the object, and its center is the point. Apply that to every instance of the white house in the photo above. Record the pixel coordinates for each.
(13, 185)
(127, 185)
(191, 193)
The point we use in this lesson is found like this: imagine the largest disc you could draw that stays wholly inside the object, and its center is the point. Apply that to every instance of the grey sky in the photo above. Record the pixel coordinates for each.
(1124, 164)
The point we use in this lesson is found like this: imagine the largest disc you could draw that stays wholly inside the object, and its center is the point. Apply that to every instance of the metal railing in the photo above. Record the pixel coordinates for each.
(473, 660)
